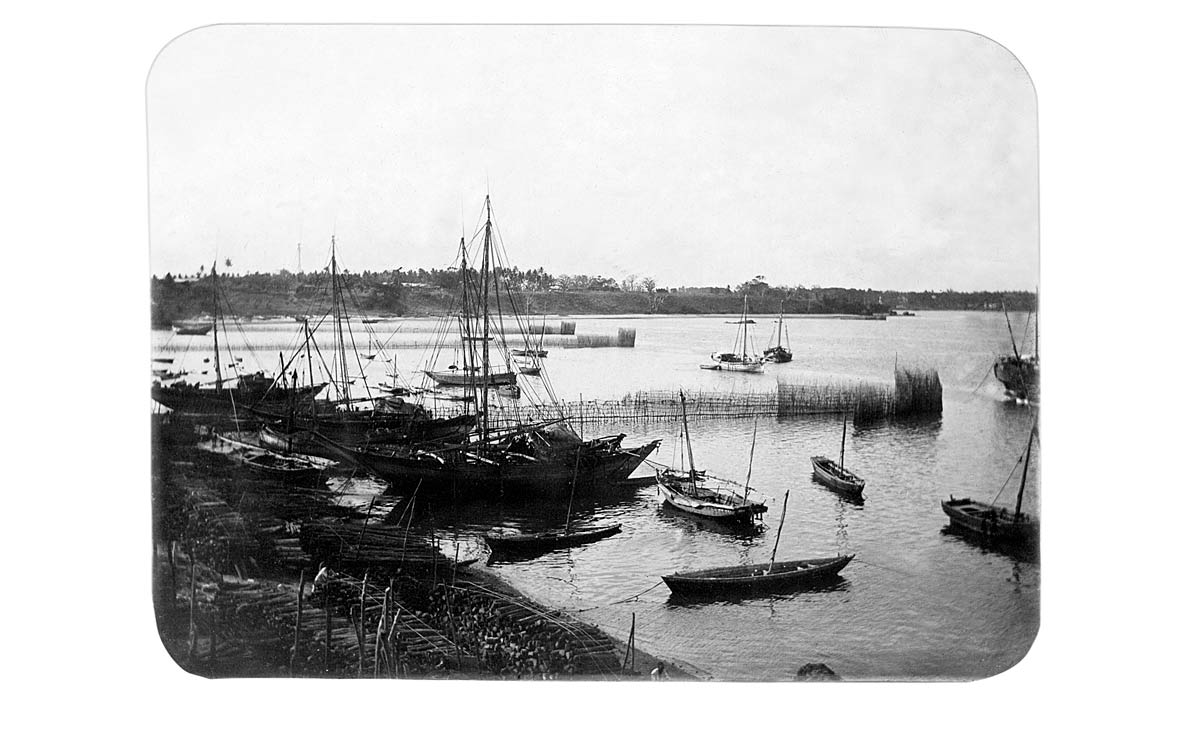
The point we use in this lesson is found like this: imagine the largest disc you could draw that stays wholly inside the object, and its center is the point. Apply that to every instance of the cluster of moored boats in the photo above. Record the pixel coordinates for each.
(743, 358)
(285, 428)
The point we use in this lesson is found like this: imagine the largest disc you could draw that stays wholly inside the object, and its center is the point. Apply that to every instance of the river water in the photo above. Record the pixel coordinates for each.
(918, 602)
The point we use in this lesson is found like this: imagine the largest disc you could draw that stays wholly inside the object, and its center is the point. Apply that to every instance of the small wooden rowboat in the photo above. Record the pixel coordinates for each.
(997, 524)
(992, 524)
(757, 577)
(547, 541)
(837, 477)
(192, 327)
(281, 466)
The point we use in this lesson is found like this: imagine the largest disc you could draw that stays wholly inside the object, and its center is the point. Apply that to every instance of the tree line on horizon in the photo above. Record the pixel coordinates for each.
(409, 290)
(540, 280)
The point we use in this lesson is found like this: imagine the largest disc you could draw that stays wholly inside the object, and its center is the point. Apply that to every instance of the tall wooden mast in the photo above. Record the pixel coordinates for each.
(687, 437)
(337, 319)
(483, 288)
(216, 324)
(1025, 470)
(842, 459)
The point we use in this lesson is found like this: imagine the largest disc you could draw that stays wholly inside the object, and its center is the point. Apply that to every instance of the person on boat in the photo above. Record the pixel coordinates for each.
(322, 578)
(659, 673)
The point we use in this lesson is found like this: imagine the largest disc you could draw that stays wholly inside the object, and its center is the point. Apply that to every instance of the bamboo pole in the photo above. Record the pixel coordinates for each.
(328, 631)
(192, 606)
(779, 532)
(629, 660)
(212, 642)
(299, 612)
(362, 623)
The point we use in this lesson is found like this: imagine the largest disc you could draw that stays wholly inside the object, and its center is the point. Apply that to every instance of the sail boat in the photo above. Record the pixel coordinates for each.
(696, 492)
(740, 359)
(476, 370)
(779, 353)
(754, 578)
(371, 353)
(835, 475)
(544, 457)
(996, 525)
(248, 391)
(1019, 374)
(343, 417)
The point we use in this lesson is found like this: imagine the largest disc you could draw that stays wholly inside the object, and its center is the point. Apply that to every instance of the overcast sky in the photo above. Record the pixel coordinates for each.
(898, 159)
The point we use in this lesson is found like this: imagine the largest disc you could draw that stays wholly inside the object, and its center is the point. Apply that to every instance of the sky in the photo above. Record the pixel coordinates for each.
(869, 158)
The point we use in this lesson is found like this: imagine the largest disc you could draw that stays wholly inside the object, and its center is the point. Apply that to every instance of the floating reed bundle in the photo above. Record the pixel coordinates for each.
(563, 327)
(625, 338)
(918, 392)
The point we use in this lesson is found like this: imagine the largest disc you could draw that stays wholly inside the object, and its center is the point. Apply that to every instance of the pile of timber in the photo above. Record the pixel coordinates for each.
(241, 624)
(216, 531)
(517, 638)
(357, 543)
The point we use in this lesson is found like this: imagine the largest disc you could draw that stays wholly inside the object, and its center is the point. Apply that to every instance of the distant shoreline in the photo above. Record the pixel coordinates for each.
(272, 296)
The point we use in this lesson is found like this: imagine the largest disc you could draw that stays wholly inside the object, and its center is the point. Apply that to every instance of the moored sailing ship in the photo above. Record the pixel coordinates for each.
(543, 457)
(779, 353)
(1020, 374)
(740, 359)
(997, 525)
(695, 492)
(350, 417)
(229, 395)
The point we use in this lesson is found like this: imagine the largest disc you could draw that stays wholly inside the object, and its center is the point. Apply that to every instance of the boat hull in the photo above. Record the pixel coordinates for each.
(826, 472)
(192, 328)
(285, 468)
(463, 379)
(777, 355)
(988, 523)
(706, 503)
(460, 474)
(744, 368)
(190, 400)
(740, 580)
(1021, 377)
(547, 541)
(362, 431)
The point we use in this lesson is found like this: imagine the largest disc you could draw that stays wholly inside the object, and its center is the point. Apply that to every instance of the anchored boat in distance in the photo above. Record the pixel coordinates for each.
(740, 359)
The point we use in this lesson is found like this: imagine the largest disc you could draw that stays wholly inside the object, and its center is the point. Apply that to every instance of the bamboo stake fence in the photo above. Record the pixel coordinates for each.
(915, 392)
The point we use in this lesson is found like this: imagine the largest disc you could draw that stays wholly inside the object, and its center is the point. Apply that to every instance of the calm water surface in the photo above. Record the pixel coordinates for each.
(917, 601)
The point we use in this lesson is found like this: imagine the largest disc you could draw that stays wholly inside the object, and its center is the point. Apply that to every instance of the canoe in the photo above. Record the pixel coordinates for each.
(547, 541)
(836, 477)
(755, 578)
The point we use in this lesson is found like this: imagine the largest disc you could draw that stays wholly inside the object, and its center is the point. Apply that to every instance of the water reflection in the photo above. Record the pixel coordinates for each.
(764, 599)
(691, 523)
(1018, 552)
